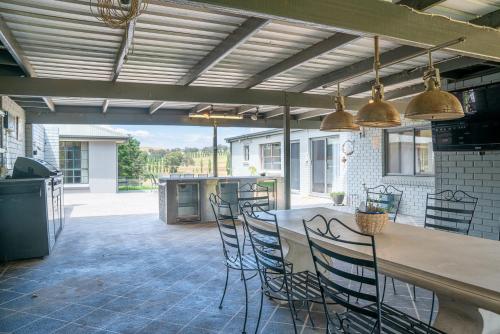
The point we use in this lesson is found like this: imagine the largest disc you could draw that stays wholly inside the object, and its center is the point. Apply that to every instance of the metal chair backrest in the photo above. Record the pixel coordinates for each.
(266, 245)
(386, 197)
(253, 194)
(450, 211)
(227, 228)
(335, 272)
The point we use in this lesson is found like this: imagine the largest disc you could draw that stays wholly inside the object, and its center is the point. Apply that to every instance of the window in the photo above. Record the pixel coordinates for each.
(409, 152)
(74, 161)
(246, 153)
(16, 127)
(271, 156)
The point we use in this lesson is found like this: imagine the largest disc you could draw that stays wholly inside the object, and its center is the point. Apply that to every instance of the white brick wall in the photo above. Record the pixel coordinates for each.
(51, 151)
(35, 141)
(365, 166)
(15, 146)
(478, 174)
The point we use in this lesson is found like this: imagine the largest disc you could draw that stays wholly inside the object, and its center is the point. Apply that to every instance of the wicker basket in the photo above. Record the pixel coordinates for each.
(371, 223)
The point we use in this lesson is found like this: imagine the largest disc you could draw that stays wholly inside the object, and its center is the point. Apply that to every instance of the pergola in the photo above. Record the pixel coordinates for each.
(275, 63)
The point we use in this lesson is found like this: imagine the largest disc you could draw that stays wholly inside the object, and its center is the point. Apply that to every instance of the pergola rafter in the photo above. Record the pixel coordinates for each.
(318, 49)
(17, 54)
(409, 28)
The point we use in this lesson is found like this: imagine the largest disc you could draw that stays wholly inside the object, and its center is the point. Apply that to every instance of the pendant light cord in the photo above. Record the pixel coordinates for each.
(376, 60)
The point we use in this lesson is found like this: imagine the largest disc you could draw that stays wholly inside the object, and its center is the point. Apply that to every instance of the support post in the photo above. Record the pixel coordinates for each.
(286, 157)
(214, 154)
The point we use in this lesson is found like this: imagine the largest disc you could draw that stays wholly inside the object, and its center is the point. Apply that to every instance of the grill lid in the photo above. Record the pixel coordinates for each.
(33, 168)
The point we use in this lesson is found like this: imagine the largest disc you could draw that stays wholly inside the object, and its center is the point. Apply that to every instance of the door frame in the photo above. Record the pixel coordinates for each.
(297, 141)
(311, 164)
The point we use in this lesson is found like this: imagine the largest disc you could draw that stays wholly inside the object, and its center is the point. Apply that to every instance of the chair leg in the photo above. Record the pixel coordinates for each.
(307, 305)
(385, 286)
(394, 286)
(414, 293)
(361, 284)
(292, 313)
(244, 238)
(432, 308)
(310, 317)
(246, 303)
(225, 287)
(260, 310)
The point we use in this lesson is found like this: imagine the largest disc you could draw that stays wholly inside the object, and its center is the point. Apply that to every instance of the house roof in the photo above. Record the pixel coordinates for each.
(90, 132)
(257, 135)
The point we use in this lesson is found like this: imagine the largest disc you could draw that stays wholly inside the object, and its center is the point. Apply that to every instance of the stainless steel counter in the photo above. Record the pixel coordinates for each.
(185, 200)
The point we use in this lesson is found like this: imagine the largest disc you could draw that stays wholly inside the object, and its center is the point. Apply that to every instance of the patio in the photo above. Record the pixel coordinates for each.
(117, 269)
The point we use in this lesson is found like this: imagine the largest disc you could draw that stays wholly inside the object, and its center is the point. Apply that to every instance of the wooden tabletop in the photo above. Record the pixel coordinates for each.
(460, 266)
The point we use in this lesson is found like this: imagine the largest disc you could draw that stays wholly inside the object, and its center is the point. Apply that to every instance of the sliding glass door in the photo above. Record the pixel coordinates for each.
(325, 164)
(295, 165)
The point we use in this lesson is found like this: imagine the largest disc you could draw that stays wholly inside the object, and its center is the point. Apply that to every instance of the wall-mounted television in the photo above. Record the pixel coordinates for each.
(479, 130)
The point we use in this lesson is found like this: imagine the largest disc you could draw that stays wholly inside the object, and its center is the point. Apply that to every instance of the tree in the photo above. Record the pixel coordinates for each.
(173, 160)
(131, 160)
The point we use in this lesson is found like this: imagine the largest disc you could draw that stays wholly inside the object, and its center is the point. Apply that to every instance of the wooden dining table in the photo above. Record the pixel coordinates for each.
(463, 271)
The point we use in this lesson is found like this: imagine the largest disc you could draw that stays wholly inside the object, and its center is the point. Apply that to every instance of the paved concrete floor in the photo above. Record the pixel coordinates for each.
(117, 269)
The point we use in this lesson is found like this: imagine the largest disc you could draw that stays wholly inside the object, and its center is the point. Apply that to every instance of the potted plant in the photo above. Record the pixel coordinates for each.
(371, 220)
(337, 197)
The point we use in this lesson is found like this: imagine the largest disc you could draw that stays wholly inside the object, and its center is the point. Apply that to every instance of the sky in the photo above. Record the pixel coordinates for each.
(169, 136)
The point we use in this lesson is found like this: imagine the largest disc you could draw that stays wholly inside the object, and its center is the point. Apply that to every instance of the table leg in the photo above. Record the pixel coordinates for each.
(299, 255)
(455, 316)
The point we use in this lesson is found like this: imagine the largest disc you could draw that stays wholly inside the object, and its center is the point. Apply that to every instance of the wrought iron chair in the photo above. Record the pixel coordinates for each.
(253, 194)
(386, 197)
(449, 211)
(278, 279)
(389, 198)
(234, 258)
(365, 312)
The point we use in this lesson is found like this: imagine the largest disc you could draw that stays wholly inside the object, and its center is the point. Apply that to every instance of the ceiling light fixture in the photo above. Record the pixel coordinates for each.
(207, 115)
(339, 120)
(434, 104)
(378, 113)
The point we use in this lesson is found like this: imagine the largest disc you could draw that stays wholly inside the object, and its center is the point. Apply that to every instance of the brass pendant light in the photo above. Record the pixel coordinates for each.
(434, 104)
(378, 113)
(339, 120)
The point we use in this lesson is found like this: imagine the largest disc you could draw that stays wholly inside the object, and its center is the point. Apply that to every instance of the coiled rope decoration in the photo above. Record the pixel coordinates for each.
(117, 13)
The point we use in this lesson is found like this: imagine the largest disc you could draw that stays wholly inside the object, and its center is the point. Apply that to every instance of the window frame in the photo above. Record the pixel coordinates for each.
(246, 153)
(385, 153)
(63, 159)
(262, 160)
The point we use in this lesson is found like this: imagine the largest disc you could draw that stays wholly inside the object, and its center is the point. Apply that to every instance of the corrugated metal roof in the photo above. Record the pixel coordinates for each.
(88, 131)
(465, 10)
(62, 39)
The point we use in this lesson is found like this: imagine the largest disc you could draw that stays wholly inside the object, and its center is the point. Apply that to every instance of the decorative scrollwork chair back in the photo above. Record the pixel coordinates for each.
(227, 228)
(266, 243)
(337, 279)
(450, 211)
(255, 195)
(386, 197)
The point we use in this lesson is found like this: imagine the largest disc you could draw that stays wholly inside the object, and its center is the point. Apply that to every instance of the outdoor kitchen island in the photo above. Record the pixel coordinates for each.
(185, 199)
